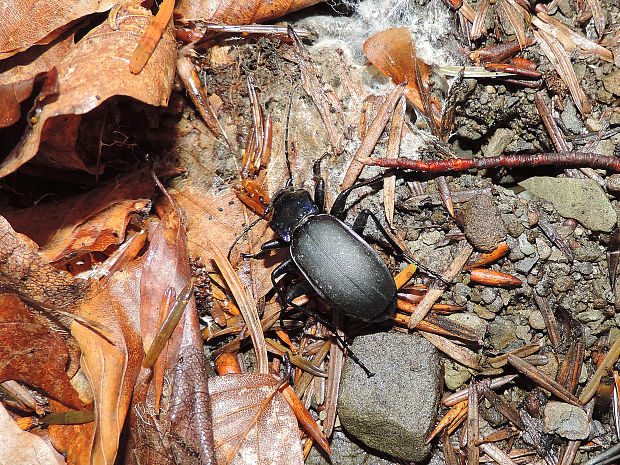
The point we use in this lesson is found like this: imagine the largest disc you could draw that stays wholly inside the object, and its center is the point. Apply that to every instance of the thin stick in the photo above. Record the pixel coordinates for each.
(372, 136)
(473, 453)
(434, 293)
(543, 380)
(590, 159)
(604, 367)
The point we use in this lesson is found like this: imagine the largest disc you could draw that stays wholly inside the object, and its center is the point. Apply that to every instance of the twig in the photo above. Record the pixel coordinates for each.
(372, 136)
(435, 292)
(543, 380)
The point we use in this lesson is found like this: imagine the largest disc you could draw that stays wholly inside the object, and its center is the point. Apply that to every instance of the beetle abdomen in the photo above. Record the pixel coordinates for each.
(343, 269)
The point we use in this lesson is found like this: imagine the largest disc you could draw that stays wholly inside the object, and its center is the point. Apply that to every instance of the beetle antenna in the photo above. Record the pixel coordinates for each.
(245, 231)
(289, 182)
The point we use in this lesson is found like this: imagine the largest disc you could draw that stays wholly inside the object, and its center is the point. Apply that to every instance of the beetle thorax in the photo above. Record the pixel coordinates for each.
(290, 206)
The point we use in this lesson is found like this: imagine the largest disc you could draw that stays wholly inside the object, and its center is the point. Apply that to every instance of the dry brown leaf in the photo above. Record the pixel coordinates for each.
(184, 418)
(393, 52)
(111, 365)
(18, 73)
(219, 217)
(88, 222)
(32, 353)
(25, 272)
(23, 448)
(73, 441)
(236, 12)
(270, 436)
(558, 57)
(29, 22)
(95, 70)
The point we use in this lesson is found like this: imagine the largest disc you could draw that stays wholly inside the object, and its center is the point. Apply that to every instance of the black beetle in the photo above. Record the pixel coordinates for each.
(336, 262)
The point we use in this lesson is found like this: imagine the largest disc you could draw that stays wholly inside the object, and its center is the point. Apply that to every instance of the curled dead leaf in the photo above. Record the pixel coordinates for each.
(32, 353)
(26, 273)
(95, 70)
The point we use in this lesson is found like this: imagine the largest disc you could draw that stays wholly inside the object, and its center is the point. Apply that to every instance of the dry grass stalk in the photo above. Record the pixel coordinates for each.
(501, 360)
(336, 362)
(516, 21)
(246, 306)
(550, 322)
(448, 419)
(478, 28)
(599, 17)
(467, 11)
(435, 292)
(558, 57)
(328, 106)
(569, 38)
(372, 136)
(499, 435)
(449, 454)
(497, 454)
(435, 199)
(494, 383)
(503, 408)
(557, 136)
(455, 352)
(543, 380)
(473, 431)
(525, 14)
(393, 150)
(612, 355)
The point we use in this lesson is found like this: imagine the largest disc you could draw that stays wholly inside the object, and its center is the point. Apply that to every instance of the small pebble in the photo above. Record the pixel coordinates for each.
(536, 320)
(566, 420)
(485, 314)
(482, 223)
(590, 316)
(544, 250)
(488, 295)
(525, 246)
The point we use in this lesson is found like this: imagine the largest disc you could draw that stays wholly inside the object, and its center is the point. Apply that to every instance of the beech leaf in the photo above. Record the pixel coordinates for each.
(96, 69)
(32, 353)
(270, 436)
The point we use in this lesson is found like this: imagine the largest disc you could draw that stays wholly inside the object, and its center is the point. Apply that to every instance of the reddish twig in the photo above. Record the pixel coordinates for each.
(590, 159)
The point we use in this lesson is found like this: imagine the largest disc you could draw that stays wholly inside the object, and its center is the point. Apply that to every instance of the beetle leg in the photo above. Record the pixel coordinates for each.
(265, 249)
(338, 208)
(319, 184)
(358, 227)
(301, 289)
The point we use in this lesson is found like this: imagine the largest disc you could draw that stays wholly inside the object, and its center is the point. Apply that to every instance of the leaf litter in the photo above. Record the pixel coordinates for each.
(114, 258)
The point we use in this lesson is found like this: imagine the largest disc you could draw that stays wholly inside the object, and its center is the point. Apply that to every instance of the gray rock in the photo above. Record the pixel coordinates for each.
(565, 420)
(571, 119)
(394, 411)
(611, 82)
(590, 316)
(482, 223)
(525, 266)
(498, 142)
(525, 246)
(544, 250)
(581, 199)
(345, 452)
(536, 320)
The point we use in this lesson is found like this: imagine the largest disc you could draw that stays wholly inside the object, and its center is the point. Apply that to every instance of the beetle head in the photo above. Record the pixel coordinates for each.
(289, 207)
